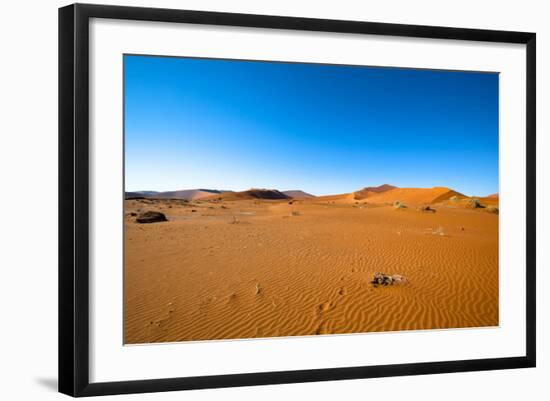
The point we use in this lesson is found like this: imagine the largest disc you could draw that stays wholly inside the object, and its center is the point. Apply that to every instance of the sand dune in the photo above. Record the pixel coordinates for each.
(490, 200)
(250, 268)
(415, 196)
(253, 193)
(388, 194)
(298, 194)
(140, 194)
(370, 191)
(187, 194)
(341, 198)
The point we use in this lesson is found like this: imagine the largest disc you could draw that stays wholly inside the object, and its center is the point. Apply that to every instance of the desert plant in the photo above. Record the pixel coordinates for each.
(492, 209)
(295, 213)
(454, 198)
(473, 203)
(387, 279)
(399, 205)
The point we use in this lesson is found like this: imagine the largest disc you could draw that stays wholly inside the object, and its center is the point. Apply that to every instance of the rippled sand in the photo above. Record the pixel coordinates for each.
(244, 269)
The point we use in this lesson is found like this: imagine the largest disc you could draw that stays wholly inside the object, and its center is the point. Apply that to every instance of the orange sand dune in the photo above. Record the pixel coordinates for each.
(257, 268)
(490, 200)
(370, 191)
(346, 198)
(414, 195)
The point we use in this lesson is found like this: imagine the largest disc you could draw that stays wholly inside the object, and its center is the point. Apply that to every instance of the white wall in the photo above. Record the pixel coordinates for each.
(28, 201)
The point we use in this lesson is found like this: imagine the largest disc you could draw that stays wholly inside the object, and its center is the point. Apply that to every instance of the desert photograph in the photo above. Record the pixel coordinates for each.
(270, 199)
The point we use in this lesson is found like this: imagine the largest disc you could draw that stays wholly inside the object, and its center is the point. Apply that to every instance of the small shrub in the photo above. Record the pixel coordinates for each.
(399, 205)
(295, 213)
(473, 203)
(454, 198)
(492, 209)
(387, 279)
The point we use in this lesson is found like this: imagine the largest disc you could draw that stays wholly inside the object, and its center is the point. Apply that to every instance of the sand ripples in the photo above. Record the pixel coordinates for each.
(309, 274)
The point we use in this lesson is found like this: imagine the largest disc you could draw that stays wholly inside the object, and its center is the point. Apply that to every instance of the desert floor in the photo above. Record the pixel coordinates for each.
(258, 268)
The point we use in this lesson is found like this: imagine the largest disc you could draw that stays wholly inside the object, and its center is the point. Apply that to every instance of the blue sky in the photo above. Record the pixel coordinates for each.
(324, 129)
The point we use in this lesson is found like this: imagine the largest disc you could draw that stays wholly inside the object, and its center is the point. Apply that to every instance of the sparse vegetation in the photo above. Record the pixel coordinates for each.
(295, 213)
(387, 279)
(492, 209)
(399, 205)
(473, 203)
(426, 209)
(454, 198)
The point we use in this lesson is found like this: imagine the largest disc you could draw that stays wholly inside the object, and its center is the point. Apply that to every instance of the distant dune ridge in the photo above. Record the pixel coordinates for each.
(138, 194)
(415, 195)
(186, 194)
(189, 194)
(386, 193)
(492, 200)
(196, 194)
(381, 194)
(254, 193)
(369, 191)
(298, 194)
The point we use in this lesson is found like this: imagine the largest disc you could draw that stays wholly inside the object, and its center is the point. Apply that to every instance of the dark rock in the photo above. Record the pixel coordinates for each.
(151, 217)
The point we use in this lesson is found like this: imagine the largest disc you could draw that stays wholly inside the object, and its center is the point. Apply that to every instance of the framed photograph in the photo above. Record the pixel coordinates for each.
(250, 199)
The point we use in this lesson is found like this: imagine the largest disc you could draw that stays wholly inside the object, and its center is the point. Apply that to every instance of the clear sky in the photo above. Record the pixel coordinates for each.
(324, 129)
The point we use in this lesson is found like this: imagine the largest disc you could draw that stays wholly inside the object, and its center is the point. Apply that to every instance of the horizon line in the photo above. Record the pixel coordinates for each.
(308, 192)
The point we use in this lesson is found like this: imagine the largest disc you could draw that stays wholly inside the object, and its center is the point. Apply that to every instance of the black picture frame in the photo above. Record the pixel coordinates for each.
(74, 201)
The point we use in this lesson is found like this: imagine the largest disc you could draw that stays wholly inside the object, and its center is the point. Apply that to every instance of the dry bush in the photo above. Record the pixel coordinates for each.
(473, 203)
(399, 205)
